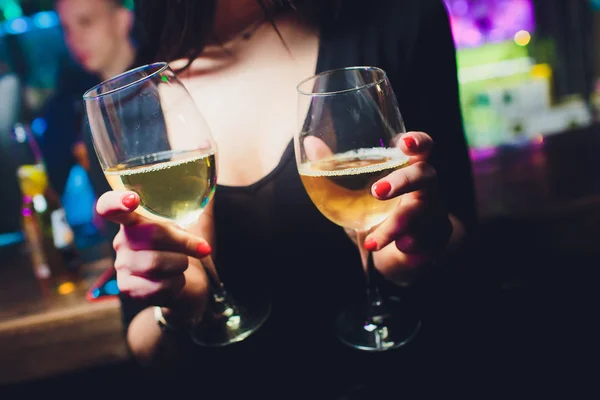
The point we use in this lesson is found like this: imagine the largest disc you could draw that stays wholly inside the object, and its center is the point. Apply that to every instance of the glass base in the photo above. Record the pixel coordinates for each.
(222, 326)
(392, 328)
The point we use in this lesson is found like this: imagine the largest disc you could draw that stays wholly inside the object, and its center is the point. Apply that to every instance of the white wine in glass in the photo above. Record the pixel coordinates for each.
(172, 185)
(348, 127)
(340, 186)
(151, 139)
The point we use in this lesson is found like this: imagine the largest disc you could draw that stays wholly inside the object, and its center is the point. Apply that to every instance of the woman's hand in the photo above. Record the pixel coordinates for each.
(420, 226)
(156, 262)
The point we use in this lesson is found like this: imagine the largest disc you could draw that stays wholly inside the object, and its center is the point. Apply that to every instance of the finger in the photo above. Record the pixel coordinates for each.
(399, 224)
(406, 269)
(161, 236)
(156, 292)
(151, 264)
(316, 149)
(417, 227)
(417, 177)
(118, 207)
(417, 243)
(416, 145)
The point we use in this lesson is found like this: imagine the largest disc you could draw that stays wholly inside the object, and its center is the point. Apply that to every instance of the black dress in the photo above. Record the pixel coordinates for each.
(271, 239)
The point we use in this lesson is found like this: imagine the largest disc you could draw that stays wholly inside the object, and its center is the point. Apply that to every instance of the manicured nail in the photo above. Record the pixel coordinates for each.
(410, 142)
(204, 249)
(370, 244)
(130, 200)
(382, 188)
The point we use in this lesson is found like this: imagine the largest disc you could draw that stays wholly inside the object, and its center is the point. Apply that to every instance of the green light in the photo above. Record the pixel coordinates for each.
(164, 79)
(11, 9)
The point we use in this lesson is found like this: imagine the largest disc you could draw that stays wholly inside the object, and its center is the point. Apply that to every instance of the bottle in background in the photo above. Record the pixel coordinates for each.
(32, 231)
(59, 232)
(48, 235)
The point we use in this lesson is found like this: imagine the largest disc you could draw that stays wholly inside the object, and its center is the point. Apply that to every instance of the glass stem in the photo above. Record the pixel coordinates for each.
(375, 306)
(224, 304)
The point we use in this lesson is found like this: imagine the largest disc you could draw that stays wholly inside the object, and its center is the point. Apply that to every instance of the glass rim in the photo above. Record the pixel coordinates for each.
(334, 92)
(163, 66)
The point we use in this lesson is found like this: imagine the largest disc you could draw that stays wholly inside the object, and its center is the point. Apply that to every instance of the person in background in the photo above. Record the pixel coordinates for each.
(10, 87)
(241, 61)
(10, 112)
(98, 36)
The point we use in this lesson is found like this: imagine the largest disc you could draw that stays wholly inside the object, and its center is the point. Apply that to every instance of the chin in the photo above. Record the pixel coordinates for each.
(90, 67)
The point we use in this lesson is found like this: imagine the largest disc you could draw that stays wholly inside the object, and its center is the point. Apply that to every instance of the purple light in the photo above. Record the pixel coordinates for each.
(479, 154)
(26, 212)
(477, 22)
(460, 7)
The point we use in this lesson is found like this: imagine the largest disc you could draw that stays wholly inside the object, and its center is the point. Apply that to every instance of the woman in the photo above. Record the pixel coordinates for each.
(241, 61)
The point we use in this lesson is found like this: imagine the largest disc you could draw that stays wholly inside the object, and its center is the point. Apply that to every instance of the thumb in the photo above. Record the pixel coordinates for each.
(316, 149)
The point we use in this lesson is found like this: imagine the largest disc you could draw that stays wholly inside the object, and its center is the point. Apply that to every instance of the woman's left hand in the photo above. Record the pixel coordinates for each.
(419, 226)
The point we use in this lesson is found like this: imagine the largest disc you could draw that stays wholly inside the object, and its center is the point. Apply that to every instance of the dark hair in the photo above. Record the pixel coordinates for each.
(172, 30)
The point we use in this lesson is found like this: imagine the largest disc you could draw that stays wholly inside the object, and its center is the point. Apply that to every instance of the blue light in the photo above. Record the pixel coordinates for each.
(111, 287)
(8, 239)
(41, 20)
(96, 293)
(38, 126)
(17, 26)
(45, 19)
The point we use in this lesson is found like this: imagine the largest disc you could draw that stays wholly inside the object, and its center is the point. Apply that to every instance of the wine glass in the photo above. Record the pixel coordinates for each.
(151, 138)
(349, 124)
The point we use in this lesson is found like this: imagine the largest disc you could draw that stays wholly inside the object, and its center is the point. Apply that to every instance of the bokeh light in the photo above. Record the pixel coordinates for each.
(522, 38)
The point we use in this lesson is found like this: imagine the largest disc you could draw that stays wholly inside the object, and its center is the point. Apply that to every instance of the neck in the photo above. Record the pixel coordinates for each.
(122, 61)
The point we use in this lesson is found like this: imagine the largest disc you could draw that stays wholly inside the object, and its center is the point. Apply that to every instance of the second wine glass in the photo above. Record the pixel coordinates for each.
(349, 125)
(151, 138)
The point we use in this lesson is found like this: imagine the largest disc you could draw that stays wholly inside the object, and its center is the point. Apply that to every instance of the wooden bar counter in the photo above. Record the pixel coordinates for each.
(45, 334)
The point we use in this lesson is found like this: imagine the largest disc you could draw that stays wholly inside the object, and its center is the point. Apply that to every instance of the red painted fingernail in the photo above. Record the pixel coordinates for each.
(410, 142)
(370, 244)
(382, 188)
(204, 249)
(130, 200)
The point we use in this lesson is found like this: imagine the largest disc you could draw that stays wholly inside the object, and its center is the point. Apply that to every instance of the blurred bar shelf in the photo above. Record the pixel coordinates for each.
(45, 334)
(542, 198)
(549, 174)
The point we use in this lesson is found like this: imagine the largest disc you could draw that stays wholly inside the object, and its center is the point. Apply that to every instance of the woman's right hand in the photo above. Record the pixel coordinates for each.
(156, 262)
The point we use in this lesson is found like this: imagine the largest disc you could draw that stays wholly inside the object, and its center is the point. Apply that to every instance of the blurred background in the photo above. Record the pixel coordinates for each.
(529, 73)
